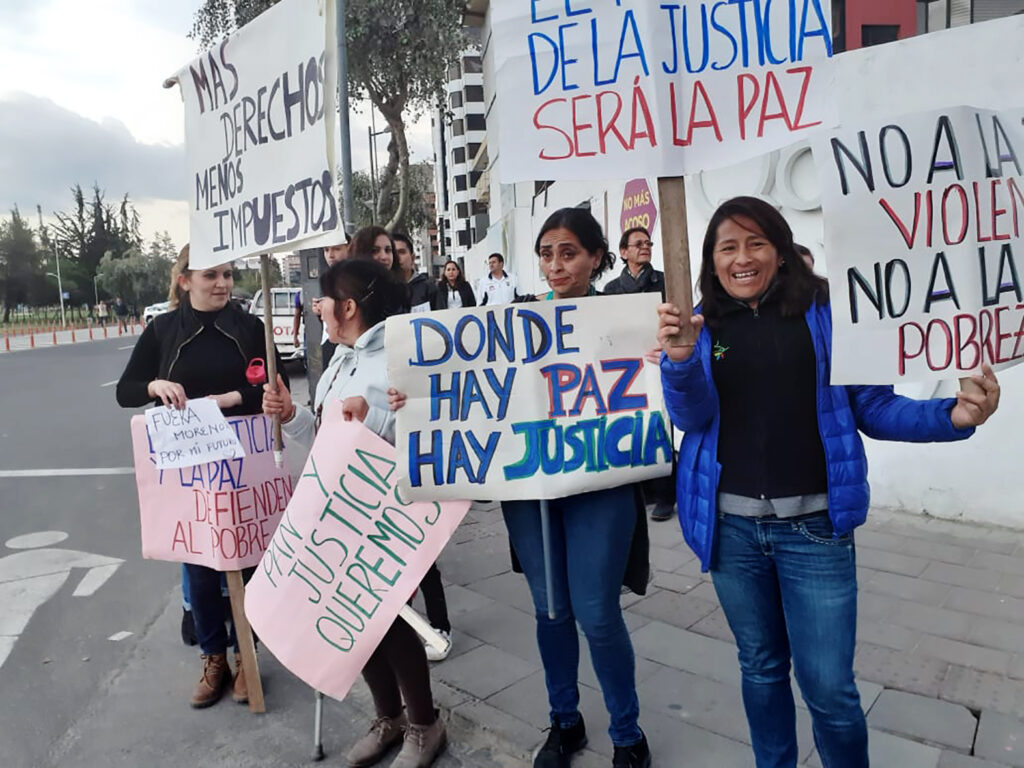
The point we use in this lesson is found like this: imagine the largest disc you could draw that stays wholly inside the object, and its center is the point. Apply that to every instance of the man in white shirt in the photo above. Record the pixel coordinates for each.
(497, 287)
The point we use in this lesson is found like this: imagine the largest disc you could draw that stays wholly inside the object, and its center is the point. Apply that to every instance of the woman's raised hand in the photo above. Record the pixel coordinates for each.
(396, 399)
(355, 408)
(670, 325)
(278, 401)
(171, 393)
(973, 408)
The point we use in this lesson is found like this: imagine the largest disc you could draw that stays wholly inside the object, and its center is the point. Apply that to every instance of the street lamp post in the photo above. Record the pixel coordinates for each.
(60, 290)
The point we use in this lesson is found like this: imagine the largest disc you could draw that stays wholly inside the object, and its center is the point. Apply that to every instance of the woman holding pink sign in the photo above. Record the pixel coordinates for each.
(203, 347)
(358, 295)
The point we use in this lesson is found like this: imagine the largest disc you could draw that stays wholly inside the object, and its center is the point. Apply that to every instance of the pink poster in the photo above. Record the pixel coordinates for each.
(220, 514)
(348, 554)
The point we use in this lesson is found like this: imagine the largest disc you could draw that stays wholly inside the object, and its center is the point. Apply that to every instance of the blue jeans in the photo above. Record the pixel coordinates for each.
(211, 609)
(789, 589)
(590, 540)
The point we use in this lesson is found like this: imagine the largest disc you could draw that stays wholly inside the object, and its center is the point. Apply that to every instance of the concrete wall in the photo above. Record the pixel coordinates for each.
(860, 12)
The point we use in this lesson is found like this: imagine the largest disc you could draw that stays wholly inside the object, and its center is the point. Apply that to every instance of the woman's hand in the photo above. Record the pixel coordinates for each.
(670, 325)
(973, 408)
(277, 401)
(355, 408)
(171, 393)
(396, 399)
(227, 400)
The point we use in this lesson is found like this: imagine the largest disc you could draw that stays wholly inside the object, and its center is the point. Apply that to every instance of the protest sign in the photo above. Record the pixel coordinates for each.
(529, 401)
(350, 551)
(259, 135)
(590, 87)
(195, 434)
(220, 514)
(638, 206)
(923, 217)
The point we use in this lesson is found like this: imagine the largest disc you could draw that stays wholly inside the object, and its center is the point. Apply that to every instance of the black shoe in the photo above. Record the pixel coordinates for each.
(634, 756)
(663, 510)
(188, 628)
(561, 744)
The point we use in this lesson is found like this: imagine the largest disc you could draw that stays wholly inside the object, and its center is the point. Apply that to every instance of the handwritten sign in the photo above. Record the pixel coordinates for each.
(196, 434)
(923, 231)
(350, 551)
(527, 401)
(220, 514)
(664, 89)
(259, 133)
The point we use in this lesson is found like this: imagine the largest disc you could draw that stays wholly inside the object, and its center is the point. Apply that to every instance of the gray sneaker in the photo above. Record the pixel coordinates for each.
(422, 745)
(384, 733)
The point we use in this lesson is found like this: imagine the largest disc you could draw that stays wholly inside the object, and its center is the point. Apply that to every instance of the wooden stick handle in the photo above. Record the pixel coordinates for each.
(676, 251)
(268, 330)
(246, 644)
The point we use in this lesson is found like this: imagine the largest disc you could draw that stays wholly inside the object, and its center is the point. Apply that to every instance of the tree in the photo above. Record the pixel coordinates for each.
(399, 52)
(247, 281)
(162, 247)
(21, 262)
(139, 278)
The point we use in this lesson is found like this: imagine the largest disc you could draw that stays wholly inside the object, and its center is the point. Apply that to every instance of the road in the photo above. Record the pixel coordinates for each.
(98, 676)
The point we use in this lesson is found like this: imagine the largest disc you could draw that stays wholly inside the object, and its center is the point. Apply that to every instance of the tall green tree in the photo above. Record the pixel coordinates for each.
(92, 229)
(140, 278)
(21, 263)
(399, 52)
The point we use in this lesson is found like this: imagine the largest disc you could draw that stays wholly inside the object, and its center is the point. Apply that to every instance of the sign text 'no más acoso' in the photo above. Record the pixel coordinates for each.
(670, 88)
(924, 231)
(259, 115)
(526, 401)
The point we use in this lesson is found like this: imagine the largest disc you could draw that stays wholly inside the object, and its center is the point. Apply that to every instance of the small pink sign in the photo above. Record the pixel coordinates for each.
(638, 208)
(220, 514)
(349, 553)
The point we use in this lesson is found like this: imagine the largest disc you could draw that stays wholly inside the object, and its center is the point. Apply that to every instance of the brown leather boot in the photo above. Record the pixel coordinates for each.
(422, 745)
(239, 690)
(211, 685)
(384, 733)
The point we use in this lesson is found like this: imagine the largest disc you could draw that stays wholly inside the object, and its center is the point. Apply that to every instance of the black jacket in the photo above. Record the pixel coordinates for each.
(649, 280)
(465, 291)
(422, 290)
(177, 340)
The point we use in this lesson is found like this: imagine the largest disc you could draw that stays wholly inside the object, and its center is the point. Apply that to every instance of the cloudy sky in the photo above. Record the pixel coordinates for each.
(81, 102)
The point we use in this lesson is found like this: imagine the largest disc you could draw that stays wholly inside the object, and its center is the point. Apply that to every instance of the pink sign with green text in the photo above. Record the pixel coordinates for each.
(349, 553)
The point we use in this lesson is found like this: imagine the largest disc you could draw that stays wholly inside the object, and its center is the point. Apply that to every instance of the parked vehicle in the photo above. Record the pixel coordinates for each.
(153, 310)
(282, 311)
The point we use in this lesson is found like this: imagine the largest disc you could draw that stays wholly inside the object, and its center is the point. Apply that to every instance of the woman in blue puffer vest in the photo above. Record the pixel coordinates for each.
(773, 477)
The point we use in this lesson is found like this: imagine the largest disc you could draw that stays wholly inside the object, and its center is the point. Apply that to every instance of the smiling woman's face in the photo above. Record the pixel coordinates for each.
(209, 289)
(745, 260)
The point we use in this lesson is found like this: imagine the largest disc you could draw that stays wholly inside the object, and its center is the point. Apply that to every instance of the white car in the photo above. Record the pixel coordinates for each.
(153, 310)
(282, 312)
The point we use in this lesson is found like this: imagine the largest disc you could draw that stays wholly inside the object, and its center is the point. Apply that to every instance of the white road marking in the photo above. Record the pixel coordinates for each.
(6, 646)
(94, 579)
(84, 472)
(130, 346)
(37, 539)
(119, 636)
(109, 383)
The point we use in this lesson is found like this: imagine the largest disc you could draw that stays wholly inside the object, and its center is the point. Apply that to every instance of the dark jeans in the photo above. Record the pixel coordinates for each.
(398, 670)
(789, 590)
(211, 611)
(590, 539)
(433, 600)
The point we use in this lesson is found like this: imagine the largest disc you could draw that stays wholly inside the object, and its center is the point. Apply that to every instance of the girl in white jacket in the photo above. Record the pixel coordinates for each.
(357, 297)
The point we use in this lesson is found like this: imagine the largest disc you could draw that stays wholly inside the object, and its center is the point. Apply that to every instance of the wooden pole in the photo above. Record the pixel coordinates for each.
(676, 251)
(268, 328)
(246, 645)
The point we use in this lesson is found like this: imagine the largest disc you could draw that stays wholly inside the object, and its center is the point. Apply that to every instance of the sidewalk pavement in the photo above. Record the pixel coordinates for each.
(940, 656)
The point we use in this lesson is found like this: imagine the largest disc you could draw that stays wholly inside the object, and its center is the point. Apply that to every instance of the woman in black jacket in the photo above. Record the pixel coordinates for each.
(201, 348)
(452, 289)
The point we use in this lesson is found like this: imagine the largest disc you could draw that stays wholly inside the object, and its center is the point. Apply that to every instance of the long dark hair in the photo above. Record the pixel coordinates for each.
(797, 285)
(372, 286)
(459, 281)
(363, 242)
(581, 223)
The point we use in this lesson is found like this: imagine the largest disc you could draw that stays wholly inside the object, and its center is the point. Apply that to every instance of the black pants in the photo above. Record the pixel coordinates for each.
(661, 490)
(398, 671)
(326, 350)
(433, 600)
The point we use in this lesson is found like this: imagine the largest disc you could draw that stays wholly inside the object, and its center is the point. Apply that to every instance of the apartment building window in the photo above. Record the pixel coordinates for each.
(460, 183)
(472, 65)
(474, 93)
(877, 34)
(456, 99)
(474, 177)
(459, 155)
(474, 147)
(462, 210)
(477, 207)
(458, 127)
(476, 123)
(454, 72)
(463, 238)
